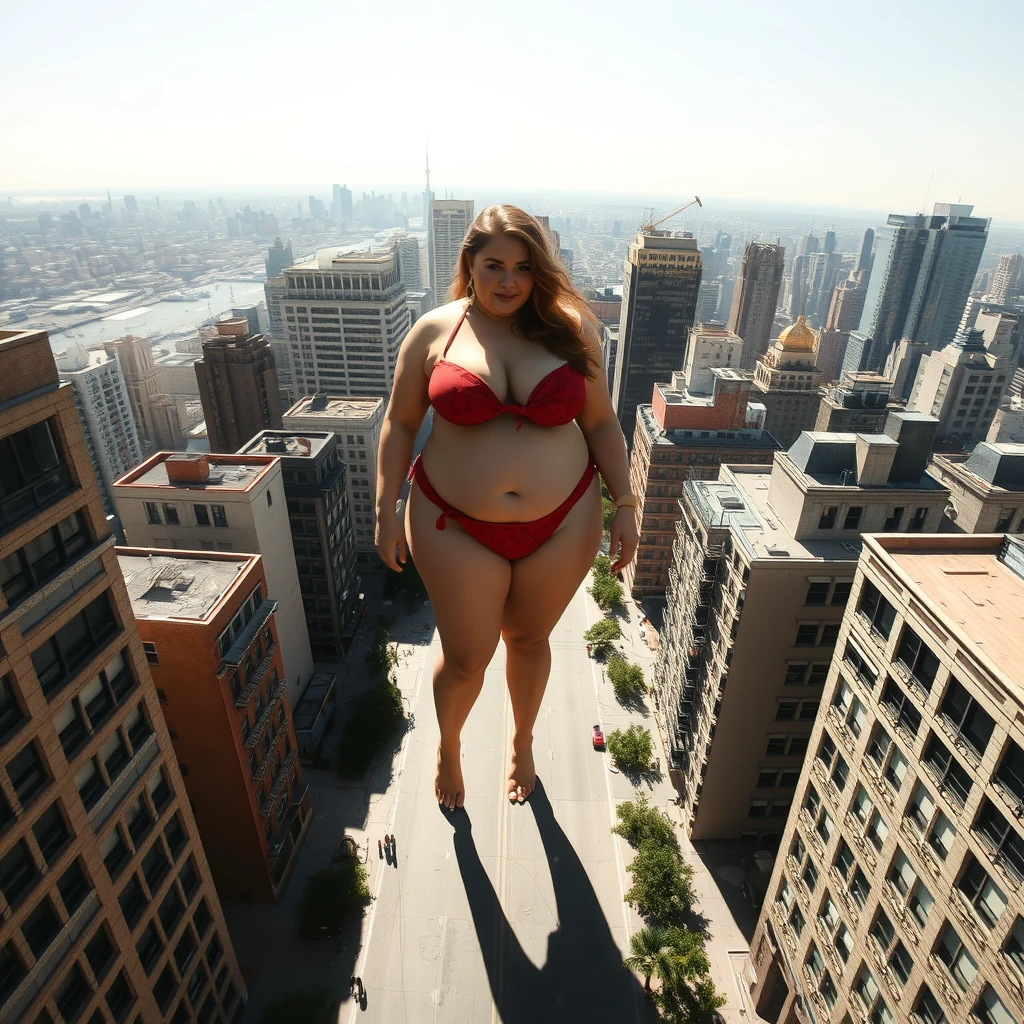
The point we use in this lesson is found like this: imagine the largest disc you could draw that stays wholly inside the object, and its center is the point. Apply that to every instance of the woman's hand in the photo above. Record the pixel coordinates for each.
(623, 538)
(389, 535)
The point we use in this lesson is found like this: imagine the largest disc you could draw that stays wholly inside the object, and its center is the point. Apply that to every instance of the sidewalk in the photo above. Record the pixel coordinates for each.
(275, 962)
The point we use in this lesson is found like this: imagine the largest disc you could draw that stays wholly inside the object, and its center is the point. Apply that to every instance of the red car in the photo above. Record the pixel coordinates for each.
(598, 738)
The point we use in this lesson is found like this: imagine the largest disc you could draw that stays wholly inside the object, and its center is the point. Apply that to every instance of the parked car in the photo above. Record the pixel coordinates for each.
(598, 737)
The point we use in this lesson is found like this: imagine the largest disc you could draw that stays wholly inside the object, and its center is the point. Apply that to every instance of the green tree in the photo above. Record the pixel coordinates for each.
(650, 954)
(376, 716)
(330, 896)
(662, 889)
(602, 566)
(608, 510)
(632, 750)
(382, 656)
(640, 824)
(603, 634)
(302, 1008)
(684, 1002)
(627, 680)
(606, 591)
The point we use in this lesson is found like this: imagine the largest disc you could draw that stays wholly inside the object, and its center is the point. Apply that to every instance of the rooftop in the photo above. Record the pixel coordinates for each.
(287, 444)
(169, 585)
(739, 499)
(337, 405)
(977, 594)
(226, 472)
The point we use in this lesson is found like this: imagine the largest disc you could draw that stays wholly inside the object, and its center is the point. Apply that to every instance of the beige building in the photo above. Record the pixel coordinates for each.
(135, 356)
(986, 488)
(761, 571)
(223, 503)
(449, 222)
(786, 383)
(897, 897)
(711, 345)
(859, 403)
(356, 422)
(107, 906)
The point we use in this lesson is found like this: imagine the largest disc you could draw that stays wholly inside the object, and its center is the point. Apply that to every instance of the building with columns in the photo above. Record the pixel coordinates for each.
(786, 383)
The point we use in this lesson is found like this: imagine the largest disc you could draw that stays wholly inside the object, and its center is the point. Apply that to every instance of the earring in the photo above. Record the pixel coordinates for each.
(470, 290)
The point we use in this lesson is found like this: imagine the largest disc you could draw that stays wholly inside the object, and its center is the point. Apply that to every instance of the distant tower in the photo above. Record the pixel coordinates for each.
(449, 222)
(866, 243)
(756, 298)
(428, 198)
(660, 290)
(1005, 280)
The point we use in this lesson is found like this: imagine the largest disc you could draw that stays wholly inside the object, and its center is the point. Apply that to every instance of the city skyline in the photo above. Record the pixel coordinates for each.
(874, 161)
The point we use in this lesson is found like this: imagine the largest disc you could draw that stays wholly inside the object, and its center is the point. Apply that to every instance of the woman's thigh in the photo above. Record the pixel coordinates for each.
(467, 583)
(544, 582)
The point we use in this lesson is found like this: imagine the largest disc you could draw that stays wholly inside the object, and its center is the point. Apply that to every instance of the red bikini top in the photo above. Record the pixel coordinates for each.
(463, 398)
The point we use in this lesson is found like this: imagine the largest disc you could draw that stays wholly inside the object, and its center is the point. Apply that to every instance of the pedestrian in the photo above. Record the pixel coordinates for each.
(352, 984)
(362, 991)
(394, 848)
(380, 849)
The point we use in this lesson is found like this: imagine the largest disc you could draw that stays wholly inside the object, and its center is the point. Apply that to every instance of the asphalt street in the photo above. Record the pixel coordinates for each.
(501, 912)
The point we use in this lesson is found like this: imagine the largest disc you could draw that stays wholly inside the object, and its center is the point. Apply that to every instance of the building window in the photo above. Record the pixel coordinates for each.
(981, 892)
(893, 518)
(32, 472)
(900, 707)
(892, 949)
(989, 1009)
(903, 878)
(153, 513)
(916, 524)
(219, 515)
(171, 514)
(202, 515)
(853, 516)
(828, 517)
(11, 715)
(270, 499)
(957, 958)
(968, 719)
(806, 635)
(795, 673)
(786, 710)
(1004, 520)
(28, 774)
(151, 654)
(817, 593)
(43, 557)
(876, 610)
(52, 834)
(917, 658)
(57, 659)
(952, 778)
(100, 953)
(1001, 839)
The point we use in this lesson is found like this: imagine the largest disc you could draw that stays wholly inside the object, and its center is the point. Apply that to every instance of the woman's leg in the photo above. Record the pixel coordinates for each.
(543, 584)
(468, 585)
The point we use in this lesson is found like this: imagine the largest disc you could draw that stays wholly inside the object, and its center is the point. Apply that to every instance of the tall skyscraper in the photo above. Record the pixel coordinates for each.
(109, 907)
(428, 198)
(659, 306)
(279, 256)
(347, 341)
(1006, 279)
(135, 357)
(449, 222)
(238, 386)
(408, 251)
(867, 242)
(756, 298)
(922, 275)
(896, 894)
(223, 503)
(105, 413)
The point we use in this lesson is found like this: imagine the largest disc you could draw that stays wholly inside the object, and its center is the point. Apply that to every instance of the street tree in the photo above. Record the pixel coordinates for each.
(632, 750)
(662, 889)
(606, 591)
(627, 680)
(650, 954)
(639, 823)
(603, 634)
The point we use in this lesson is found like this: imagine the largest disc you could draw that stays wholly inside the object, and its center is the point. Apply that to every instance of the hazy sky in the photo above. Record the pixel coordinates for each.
(845, 105)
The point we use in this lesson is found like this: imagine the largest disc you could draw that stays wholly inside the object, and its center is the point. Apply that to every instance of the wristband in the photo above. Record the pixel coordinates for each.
(630, 500)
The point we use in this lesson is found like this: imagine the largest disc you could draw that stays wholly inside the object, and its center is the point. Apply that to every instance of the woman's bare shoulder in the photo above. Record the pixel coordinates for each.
(436, 323)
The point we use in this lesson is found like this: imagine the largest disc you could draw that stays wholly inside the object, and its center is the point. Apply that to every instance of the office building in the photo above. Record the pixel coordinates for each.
(135, 357)
(710, 345)
(344, 315)
(896, 895)
(223, 503)
(844, 315)
(822, 271)
(986, 488)
(109, 908)
(213, 646)
(610, 351)
(864, 255)
(237, 385)
(859, 403)
(659, 306)
(449, 222)
(708, 298)
(1006, 278)
(922, 275)
(426, 200)
(761, 571)
(356, 422)
(105, 413)
(418, 302)
(755, 298)
(786, 383)
(407, 249)
(1008, 422)
(341, 205)
(316, 491)
(279, 258)
(682, 436)
(962, 385)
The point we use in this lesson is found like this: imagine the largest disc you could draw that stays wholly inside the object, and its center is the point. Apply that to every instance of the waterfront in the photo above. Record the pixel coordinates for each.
(157, 320)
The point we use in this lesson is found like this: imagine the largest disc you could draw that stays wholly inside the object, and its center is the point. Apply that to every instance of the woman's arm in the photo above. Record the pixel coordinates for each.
(404, 416)
(601, 428)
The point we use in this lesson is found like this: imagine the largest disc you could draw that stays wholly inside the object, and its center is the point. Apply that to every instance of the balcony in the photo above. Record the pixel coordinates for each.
(261, 723)
(257, 677)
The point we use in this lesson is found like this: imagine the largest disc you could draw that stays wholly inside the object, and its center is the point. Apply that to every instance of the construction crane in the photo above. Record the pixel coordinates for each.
(652, 223)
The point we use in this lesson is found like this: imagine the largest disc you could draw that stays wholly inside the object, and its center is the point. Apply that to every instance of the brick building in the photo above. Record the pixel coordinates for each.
(681, 437)
(211, 639)
(107, 906)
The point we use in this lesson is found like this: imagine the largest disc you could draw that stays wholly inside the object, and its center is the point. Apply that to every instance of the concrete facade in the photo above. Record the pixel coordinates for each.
(223, 503)
(212, 642)
(449, 222)
(986, 488)
(896, 897)
(108, 904)
(859, 403)
(786, 383)
(755, 299)
(710, 345)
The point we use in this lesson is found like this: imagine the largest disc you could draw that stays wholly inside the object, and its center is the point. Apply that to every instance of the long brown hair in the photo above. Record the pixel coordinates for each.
(555, 313)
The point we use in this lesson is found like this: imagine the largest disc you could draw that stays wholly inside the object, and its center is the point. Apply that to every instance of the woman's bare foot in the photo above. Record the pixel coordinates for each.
(522, 775)
(449, 788)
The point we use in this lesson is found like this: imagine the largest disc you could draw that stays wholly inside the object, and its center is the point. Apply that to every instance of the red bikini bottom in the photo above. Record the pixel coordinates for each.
(509, 540)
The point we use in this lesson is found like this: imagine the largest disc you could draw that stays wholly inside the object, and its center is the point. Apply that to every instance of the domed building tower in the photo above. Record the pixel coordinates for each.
(786, 381)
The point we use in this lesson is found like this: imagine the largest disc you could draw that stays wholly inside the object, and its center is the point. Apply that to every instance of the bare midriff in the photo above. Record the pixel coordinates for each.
(494, 471)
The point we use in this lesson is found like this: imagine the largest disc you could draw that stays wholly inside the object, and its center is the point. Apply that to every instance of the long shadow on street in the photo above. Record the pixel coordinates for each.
(582, 978)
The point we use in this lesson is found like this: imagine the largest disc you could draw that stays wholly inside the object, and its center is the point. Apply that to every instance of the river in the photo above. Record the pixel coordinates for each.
(155, 320)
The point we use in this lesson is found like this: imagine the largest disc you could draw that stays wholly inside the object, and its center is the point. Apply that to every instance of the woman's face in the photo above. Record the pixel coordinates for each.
(502, 275)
